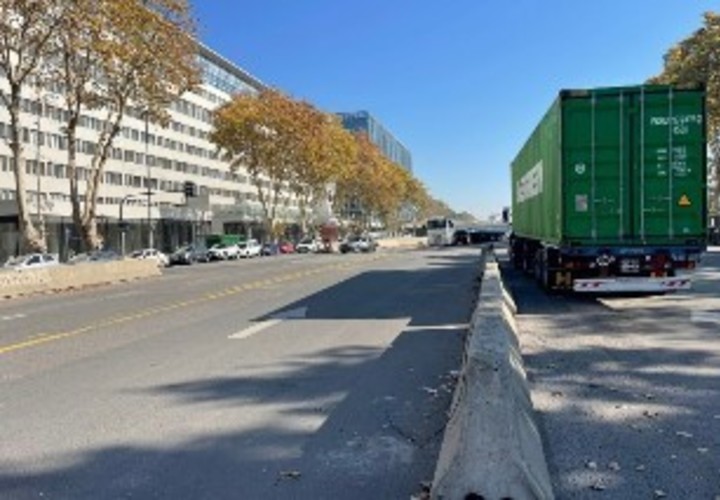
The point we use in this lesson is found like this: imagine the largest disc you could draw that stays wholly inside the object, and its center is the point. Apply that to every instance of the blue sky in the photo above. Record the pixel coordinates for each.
(462, 83)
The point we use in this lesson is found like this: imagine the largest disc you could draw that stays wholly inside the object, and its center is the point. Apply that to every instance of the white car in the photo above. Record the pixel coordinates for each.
(31, 261)
(221, 251)
(151, 254)
(307, 245)
(249, 248)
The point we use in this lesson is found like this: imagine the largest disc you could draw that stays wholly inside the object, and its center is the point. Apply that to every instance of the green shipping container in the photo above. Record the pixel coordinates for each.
(615, 167)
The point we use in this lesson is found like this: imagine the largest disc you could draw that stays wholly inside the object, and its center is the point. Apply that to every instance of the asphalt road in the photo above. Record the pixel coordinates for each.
(304, 377)
(627, 388)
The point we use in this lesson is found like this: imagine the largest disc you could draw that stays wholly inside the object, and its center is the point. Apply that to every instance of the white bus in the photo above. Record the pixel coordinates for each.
(440, 231)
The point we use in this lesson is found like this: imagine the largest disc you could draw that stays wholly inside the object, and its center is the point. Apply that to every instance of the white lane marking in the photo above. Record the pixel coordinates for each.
(451, 327)
(256, 328)
(275, 319)
(12, 317)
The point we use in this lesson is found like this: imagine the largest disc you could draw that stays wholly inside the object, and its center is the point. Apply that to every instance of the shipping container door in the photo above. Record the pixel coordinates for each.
(669, 167)
(596, 174)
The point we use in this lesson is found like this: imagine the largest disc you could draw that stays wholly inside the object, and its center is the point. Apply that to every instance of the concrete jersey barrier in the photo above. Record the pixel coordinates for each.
(406, 242)
(64, 277)
(492, 448)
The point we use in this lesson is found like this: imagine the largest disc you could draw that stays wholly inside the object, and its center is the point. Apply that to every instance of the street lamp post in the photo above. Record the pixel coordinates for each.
(38, 159)
(121, 222)
(151, 236)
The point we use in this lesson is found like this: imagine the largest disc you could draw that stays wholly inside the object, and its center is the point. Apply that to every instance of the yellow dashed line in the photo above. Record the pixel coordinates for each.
(44, 338)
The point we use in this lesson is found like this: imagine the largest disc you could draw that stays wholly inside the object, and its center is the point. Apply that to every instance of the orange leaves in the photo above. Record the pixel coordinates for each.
(281, 141)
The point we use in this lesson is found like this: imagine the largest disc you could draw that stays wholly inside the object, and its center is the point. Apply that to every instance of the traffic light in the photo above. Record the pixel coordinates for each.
(506, 215)
(190, 189)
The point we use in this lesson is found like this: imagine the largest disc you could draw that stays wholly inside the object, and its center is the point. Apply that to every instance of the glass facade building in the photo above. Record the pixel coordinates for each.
(391, 147)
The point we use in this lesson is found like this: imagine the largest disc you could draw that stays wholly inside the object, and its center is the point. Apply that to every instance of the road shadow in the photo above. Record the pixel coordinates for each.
(629, 381)
(351, 422)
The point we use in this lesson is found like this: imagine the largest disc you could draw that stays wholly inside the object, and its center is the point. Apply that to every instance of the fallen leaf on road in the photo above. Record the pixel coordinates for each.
(684, 434)
(660, 494)
(640, 468)
(591, 465)
(290, 474)
(614, 466)
(703, 450)
(430, 390)
(598, 487)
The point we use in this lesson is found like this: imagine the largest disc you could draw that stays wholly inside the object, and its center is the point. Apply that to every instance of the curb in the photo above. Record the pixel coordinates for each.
(492, 448)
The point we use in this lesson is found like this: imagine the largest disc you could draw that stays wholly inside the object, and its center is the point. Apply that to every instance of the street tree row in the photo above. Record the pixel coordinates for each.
(289, 148)
(114, 56)
(692, 62)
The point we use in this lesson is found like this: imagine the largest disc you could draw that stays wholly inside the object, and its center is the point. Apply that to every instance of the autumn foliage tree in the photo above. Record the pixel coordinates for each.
(262, 135)
(27, 28)
(289, 147)
(119, 55)
(694, 61)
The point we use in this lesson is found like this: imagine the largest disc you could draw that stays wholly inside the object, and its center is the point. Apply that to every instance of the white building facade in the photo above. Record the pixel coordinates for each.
(161, 161)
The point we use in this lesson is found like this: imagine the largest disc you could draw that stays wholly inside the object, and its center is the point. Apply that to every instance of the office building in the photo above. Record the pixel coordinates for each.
(162, 162)
(391, 147)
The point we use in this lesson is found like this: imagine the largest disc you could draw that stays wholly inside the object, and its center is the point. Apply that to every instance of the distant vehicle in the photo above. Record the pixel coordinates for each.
(189, 254)
(307, 245)
(287, 247)
(440, 231)
(269, 249)
(250, 248)
(358, 244)
(609, 192)
(31, 261)
(486, 235)
(222, 251)
(95, 256)
(151, 254)
(223, 239)
(461, 237)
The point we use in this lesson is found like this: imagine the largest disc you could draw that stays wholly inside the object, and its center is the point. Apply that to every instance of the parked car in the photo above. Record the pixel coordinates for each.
(189, 254)
(151, 254)
(287, 247)
(358, 244)
(249, 248)
(307, 245)
(223, 251)
(95, 256)
(31, 261)
(269, 249)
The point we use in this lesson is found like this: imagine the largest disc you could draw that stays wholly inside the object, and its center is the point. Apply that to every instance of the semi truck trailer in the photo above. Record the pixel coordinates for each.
(609, 191)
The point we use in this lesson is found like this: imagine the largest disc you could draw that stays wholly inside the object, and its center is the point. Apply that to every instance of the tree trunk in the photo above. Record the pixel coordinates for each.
(31, 237)
(71, 136)
(714, 165)
(91, 237)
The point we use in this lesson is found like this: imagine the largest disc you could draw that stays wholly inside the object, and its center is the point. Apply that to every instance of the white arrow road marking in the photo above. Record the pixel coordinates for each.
(12, 317)
(299, 313)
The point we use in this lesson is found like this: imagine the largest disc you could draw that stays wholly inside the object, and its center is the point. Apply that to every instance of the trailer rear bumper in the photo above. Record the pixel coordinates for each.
(614, 285)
